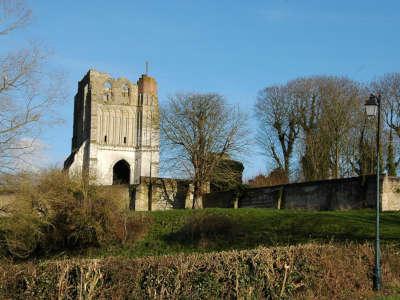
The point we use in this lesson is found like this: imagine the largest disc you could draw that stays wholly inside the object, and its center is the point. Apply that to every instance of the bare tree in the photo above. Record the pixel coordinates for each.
(27, 92)
(308, 106)
(312, 117)
(328, 108)
(360, 149)
(199, 131)
(13, 14)
(278, 126)
(389, 87)
(318, 125)
(341, 112)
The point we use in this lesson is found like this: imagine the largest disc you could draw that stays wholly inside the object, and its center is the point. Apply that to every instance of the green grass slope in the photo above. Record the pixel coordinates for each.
(209, 230)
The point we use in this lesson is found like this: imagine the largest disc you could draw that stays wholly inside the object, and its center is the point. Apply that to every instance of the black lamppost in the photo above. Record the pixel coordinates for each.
(373, 108)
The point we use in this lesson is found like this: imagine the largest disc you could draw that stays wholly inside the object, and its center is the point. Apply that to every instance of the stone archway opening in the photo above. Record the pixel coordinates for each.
(121, 172)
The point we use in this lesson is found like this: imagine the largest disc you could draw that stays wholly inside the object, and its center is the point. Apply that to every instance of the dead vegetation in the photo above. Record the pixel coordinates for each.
(310, 271)
(275, 177)
(52, 213)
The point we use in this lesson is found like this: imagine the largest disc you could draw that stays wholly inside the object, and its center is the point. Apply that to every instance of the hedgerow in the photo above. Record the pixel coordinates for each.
(311, 271)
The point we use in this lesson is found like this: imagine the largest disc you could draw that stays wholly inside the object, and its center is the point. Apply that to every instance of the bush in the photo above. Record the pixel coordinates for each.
(309, 271)
(53, 212)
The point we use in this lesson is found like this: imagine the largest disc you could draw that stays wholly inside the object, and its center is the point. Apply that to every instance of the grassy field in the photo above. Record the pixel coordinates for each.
(187, 231)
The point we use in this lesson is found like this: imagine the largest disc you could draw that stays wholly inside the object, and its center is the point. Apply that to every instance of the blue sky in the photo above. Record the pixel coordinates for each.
(231, 47)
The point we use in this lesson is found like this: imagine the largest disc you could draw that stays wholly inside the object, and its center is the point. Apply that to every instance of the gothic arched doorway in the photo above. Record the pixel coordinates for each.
(121, 172)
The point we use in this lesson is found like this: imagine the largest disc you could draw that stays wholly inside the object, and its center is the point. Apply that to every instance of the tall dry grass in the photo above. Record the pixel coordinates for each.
(53, 212)
(309, 271)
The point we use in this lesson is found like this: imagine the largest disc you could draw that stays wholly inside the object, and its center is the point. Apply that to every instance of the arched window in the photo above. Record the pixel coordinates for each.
(125, 90)
(121, 172)
(107, 91)
(107, 86)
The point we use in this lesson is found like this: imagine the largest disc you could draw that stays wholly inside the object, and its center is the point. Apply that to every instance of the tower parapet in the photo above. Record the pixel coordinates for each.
(147, 85)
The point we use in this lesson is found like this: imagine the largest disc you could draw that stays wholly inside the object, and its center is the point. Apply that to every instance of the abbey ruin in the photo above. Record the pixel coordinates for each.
(116, 142)
(116, 129)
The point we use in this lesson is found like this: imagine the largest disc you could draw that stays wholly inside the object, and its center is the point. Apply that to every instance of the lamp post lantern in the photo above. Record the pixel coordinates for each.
(373, 108)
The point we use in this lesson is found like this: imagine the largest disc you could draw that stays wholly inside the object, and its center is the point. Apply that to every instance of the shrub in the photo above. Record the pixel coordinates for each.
(53, 212)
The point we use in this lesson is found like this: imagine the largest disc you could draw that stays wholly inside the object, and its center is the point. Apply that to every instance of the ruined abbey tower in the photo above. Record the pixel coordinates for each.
(116, 129)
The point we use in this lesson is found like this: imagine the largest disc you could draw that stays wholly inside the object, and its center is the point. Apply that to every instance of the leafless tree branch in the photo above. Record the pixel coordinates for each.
(199, 131)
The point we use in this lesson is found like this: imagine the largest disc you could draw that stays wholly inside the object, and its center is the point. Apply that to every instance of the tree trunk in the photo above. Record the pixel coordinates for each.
(197, 196)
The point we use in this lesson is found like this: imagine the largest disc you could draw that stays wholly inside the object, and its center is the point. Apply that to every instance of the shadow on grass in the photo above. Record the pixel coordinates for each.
(222, 232)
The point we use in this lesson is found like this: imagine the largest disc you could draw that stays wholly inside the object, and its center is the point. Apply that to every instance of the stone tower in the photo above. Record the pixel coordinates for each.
(116, 129)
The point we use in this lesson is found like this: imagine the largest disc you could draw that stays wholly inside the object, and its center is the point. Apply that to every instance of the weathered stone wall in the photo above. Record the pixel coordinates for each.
(335, 194)
(391, 193)
(224, 199)
(165, 193)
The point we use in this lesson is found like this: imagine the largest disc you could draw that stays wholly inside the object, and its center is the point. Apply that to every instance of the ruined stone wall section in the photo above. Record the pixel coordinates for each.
(166, 193)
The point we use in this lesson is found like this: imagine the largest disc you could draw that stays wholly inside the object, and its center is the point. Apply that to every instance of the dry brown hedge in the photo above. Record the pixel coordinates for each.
(306, 271)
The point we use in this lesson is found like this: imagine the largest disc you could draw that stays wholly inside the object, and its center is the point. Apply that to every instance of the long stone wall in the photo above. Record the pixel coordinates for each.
(335, 194)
